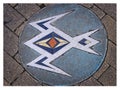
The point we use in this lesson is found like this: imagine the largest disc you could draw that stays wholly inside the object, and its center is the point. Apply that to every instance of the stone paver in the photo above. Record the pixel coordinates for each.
(11, 17)
(20, 29)
(42, 5)
(90, 82)
(110, 26)
(5, 83)
(13, 4)
(43, 84)
(11, 68)
(25, 80)
(17, 57)
(108, 78)
(111, 55)
(101, 70)
(10, 42)
(27, 9)
(110, 9)
(98, 12)
(87, 5)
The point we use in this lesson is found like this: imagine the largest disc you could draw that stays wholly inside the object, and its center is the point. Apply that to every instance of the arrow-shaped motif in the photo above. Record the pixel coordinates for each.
(52, 43)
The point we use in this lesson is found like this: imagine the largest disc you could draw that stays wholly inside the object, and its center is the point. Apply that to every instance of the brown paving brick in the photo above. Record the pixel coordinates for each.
(27, 9)
(11, 68)
(88, 5)
(42, 5)
(98, 12)
(13, 4)
(90, 82)
(108, 78)
(10, 42)
(25, 80)
(47, 4)
(20, 29)
(111, 54)
(17, 57)
(110, 26)
(6, 83)
(11, 17)
(44, 84)
(101, 70)
(110, 9)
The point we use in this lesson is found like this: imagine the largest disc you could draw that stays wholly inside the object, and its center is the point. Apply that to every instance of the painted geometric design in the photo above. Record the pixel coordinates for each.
(51, 42)
(40, 62)
(84, 42)
(41, 24)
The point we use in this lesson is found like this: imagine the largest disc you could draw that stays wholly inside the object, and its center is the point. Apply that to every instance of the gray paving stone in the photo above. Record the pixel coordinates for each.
(98, 12)
(13, 4)
(88, 5)
(11, 17)
(108, 78)
(6, 83)
(27, 9)
(48, 4)
(111, 54)
(44, 84)
(101, 70)
(20, 29)
(110, 9)
(11, 68)
(25, 80)
(10, 42)
(90, 82)
(17, 57)
(110, 26)
(42, 5)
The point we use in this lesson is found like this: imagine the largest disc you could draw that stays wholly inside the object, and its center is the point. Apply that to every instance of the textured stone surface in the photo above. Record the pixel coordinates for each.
(13, 4)
(10, 42)
(20, 29)
(17, 57)
(27, 9)
(90, 82)
(11, 68)
(47, 4)
(110, 9)
(111, 54)
(11, 17)
(98, 12)
(6, 83)
(43, 84)
(101, 70)
(87, 5)
(25, 80)
(108, 77)
(110, 26)
(42, 5)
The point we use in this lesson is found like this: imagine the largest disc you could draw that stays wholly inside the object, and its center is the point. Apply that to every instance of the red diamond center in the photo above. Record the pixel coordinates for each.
(52, 42)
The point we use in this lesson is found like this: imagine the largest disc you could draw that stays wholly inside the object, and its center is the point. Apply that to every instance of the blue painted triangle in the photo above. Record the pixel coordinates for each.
(40, 62)
(41, 24)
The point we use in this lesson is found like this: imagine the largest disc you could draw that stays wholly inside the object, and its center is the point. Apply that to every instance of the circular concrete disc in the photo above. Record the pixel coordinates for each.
(63, 44)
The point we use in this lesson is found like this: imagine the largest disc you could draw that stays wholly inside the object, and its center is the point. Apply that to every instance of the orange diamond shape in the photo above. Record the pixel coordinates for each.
(52, 43)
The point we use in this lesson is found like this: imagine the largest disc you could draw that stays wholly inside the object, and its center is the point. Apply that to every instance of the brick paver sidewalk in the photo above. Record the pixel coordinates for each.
(15, 18)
